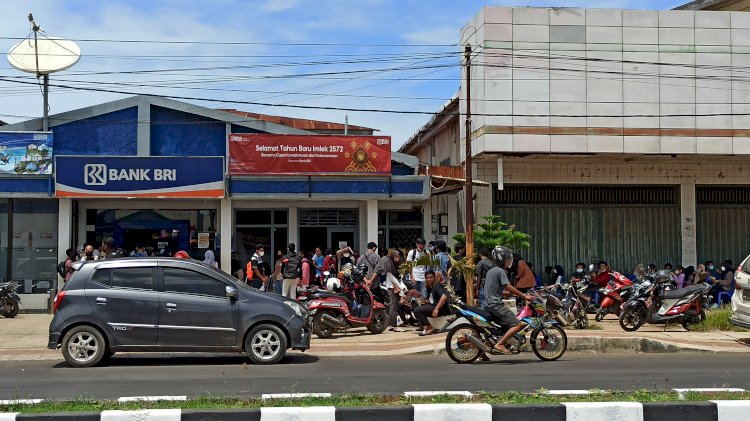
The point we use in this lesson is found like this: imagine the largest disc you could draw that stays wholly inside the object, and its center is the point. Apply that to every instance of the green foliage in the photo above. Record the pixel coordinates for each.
(494, 232)
(717, 319)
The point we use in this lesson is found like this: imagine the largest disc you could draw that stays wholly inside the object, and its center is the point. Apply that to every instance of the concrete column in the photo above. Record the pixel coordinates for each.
(226, 228)
(372, 223)
(293, 228)
(427, 219)
(452, 217)
(64, 232)
(687, 225)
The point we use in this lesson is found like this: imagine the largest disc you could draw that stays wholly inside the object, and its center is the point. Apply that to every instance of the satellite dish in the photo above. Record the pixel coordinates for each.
(55, 54)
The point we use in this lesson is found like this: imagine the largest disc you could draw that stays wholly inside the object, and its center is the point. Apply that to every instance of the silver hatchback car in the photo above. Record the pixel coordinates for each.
(170, 305)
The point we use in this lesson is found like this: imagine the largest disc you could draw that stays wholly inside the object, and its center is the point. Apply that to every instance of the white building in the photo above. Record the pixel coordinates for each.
(620, 135)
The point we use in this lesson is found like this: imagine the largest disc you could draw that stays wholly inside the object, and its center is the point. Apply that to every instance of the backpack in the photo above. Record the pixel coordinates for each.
(61, 270)
(291, 268)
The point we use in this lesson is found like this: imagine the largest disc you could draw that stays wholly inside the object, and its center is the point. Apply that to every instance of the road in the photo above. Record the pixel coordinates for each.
(230, 376)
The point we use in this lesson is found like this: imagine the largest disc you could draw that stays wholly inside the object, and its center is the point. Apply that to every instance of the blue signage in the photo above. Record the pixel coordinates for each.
(175, 176)
(26, 153)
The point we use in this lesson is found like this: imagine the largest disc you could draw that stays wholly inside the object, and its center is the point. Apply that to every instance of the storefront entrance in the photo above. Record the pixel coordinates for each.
(328, 228)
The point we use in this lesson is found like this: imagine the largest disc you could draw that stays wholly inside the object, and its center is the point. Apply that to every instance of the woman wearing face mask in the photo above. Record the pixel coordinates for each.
(346, 256)
(639, 272)
(580, 271)
(679, 276)
(700, 275)
(725, 281)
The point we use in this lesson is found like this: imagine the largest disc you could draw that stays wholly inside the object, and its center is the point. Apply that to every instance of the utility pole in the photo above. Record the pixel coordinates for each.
(45, 76)
(469, 193)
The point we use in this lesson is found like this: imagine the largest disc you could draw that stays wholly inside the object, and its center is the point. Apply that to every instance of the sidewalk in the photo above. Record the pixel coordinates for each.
(25, 338)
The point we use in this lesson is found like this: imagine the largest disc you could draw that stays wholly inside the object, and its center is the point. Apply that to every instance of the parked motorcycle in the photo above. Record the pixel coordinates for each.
(615, 294)
(575, 302)
(9, 300)
(480, 333)
(331, 311)
(656, 304)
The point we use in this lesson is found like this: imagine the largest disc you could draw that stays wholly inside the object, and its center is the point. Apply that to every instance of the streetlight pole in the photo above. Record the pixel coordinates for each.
(469, 208)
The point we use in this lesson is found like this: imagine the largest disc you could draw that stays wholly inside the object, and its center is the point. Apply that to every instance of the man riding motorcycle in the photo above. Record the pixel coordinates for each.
(495, 283)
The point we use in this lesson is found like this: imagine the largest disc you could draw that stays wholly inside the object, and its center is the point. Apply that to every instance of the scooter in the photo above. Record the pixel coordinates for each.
(656, 304)
(331, 311)
(615, 294)
(9, 300)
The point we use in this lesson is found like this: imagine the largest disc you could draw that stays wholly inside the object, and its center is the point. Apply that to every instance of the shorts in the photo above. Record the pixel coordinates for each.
(504, 316)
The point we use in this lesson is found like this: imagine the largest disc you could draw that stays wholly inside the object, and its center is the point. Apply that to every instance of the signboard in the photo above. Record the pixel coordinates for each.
(26, 153)
(309, 154)
(203, 240)
(180, 177)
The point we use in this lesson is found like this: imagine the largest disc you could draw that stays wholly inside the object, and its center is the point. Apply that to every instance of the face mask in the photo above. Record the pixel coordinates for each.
(723, 269)
(711, 267)
(579, 270)
(554, 272)
(346, 254)
(261, 253)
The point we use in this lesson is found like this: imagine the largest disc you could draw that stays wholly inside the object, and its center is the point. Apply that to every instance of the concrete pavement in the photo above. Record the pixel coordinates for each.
(25, 338)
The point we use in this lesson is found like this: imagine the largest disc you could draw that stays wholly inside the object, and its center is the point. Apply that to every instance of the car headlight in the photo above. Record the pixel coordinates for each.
(298, 308)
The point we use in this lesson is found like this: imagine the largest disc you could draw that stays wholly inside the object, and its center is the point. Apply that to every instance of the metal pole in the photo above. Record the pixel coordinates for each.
(45, 119)
(468, 173)
(346, 125)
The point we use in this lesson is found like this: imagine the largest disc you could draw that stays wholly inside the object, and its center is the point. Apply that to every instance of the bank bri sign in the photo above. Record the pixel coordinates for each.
(157, 177)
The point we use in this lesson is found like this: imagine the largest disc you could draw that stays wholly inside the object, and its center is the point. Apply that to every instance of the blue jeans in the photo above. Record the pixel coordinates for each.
(421, 286)
(277, 286)
(481, 296)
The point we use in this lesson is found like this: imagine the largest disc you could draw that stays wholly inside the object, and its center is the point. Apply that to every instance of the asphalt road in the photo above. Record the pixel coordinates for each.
(231, 376)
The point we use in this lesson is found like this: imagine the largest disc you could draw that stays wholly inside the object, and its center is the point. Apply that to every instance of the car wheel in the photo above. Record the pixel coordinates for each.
(83, 346)
(266, 344)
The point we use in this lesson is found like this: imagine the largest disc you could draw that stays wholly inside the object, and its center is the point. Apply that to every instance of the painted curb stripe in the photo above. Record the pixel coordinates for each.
(679, 411)
(379, 413)
(453, 412)
(21, 401)
(145, 415)
(599, 411)
(8, 416)
(270, 396)
(732, 410)
(550, 412)
(315, 413)
(151, 398)
(428, 394)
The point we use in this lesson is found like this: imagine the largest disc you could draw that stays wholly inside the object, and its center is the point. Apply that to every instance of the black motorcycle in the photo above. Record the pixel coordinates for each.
(9, 300)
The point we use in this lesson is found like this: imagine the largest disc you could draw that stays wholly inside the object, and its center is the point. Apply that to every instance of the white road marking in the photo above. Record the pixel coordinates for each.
(427, 394)
(453, 412)
(21, 401)
(598, 411)
(568, 392)
(681, 392)
(314, 413)
(151, 398)
(269, 396)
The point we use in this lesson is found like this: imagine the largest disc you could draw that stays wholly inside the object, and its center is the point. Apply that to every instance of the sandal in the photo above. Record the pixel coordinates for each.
(501, 351)
(427, 333)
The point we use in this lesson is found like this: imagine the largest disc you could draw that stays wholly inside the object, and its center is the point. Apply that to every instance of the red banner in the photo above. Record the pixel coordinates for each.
(309, 154)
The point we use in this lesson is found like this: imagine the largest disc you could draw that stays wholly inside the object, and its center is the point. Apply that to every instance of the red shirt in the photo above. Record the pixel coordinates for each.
(602, 279)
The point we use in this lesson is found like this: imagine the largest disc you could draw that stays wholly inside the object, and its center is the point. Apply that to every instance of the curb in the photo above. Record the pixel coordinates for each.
(573, 411)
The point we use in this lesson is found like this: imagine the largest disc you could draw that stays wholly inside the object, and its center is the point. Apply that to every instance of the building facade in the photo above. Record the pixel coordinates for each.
(618, 135)
(167, 192)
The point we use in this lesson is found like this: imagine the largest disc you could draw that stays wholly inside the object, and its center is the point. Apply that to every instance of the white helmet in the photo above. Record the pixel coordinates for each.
(333, 284)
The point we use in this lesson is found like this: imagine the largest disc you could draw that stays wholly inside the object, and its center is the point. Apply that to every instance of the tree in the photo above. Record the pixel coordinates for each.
(494, 232)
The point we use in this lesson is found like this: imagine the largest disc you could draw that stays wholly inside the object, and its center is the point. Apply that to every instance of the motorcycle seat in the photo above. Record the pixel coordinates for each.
(681, 292)
(484, 313)
(324, 294)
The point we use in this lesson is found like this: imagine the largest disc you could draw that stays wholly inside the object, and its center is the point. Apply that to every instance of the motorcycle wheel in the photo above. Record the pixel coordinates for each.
(379, 322)
(688, 323)
(601, 314)
(632, 319)
(322, 330)
(583, 321)
(550, 343)
(13, 306)
(459, 348)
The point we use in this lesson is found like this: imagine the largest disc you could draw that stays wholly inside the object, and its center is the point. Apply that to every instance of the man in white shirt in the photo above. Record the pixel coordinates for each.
(417, 272)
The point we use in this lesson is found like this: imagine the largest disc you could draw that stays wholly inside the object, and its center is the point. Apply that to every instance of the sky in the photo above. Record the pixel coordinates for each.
(390, 55)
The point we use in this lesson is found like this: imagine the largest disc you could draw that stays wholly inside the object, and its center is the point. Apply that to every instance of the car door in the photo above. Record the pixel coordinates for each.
(194, 311)
(125, 300)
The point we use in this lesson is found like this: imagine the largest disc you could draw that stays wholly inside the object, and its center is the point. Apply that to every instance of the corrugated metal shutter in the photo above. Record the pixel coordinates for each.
(723, 233)
(623, 237)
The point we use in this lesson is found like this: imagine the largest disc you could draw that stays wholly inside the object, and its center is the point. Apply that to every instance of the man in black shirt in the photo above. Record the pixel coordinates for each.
(438, 304)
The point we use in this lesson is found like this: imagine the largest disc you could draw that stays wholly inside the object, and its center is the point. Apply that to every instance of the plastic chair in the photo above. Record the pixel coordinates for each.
(538, 280)
(632, 278)
(728, 294)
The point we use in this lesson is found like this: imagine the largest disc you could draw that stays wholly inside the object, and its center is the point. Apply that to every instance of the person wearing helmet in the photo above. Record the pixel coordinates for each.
(496, 281)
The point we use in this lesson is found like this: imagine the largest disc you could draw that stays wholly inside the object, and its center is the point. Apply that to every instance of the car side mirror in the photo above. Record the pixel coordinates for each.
(231, 293)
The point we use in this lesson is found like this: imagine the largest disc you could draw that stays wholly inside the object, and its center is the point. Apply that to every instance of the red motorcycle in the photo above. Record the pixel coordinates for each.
(331, 311)
(615, 294)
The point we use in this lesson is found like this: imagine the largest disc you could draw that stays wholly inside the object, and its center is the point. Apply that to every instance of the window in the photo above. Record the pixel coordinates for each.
(103, 277)
(139, 278)
(189, 282)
